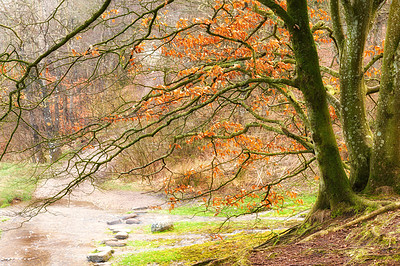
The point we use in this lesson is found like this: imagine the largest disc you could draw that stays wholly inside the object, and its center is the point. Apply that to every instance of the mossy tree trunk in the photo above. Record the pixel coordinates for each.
(358, 136)
(335, 191)
(385, 164)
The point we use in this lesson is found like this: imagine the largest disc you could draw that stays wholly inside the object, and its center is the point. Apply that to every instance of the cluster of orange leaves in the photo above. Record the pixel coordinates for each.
(109, 13)
(374, 50)
(229, 32)
(93, 52)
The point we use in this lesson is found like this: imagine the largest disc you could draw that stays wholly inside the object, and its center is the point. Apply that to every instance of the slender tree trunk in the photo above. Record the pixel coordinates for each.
(385, 165)
(49, 123)
(356, 130)
(55, 150)
(335, 191)
(38, 154)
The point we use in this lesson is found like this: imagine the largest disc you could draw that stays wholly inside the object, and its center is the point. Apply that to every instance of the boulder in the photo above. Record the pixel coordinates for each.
(161, 226)
(132, 221)
(121, 235)
(101, 254)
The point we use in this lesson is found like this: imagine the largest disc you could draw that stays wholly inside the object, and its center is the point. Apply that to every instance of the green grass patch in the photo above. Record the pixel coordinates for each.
(213, 227)
(163, 257)
(16, 182)
(184, 228)
(289, 208)
(155, 243)
(236, 247)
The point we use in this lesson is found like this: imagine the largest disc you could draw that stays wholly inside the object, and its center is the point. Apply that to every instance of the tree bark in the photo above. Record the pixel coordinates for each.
(335, 191)
(357, 133)
(385, 165)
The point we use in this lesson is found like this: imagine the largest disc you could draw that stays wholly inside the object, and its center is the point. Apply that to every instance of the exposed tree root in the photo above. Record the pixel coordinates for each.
(298, 231)
(287, 234)
(390, 207)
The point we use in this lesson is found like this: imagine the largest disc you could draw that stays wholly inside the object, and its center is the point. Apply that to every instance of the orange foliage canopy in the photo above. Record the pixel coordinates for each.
(238, 58)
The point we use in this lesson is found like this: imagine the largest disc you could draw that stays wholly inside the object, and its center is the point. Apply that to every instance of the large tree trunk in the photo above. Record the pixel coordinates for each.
(335, 191)
(356, 130)
(385, 165)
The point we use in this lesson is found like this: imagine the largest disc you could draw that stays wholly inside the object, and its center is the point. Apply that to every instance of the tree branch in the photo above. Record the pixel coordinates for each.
(372, 90)
(279, 11)
(337, 24)
(373, 61)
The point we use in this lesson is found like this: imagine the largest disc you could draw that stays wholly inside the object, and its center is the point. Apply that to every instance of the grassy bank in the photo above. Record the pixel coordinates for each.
(16, 183)
(163, 252)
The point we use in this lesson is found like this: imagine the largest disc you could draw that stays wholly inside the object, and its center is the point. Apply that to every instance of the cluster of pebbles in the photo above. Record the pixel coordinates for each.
(121, 233)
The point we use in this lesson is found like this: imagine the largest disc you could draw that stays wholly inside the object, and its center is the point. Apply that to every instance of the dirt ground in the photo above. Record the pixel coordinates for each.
(374, 242)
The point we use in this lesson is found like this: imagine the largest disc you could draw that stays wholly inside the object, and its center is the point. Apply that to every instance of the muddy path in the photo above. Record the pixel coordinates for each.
(68, 230)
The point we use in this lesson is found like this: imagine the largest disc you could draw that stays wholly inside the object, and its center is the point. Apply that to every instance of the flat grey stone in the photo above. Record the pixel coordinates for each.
(119, 221)
(132, 221)
(101, 254)
(114, 243)
(121, 235)
(129, 216)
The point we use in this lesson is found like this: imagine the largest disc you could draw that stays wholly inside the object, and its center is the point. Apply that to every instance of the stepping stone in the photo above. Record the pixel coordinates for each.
(132, 221)
(101, 254)
(114, 243)
(129, 216)
(121, 235)
(119, 221)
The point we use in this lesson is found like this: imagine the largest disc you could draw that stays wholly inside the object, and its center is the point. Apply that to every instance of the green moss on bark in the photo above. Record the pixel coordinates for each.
(335, 190)
(385, 166)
